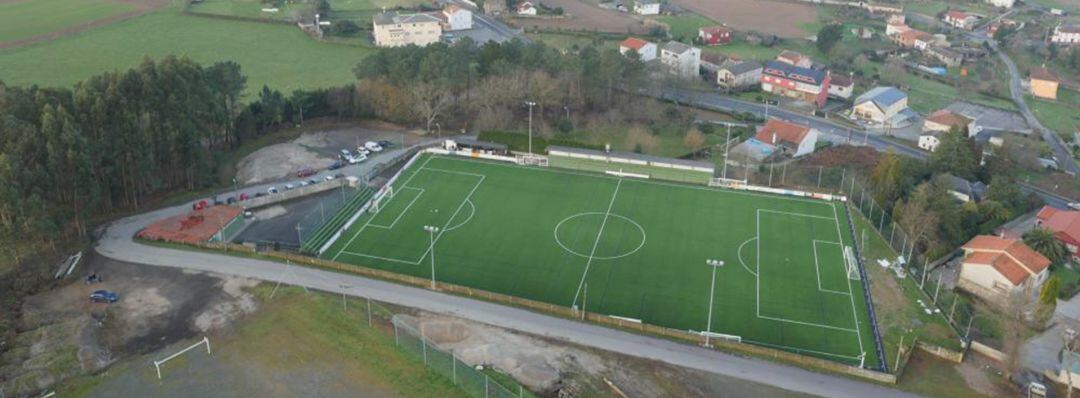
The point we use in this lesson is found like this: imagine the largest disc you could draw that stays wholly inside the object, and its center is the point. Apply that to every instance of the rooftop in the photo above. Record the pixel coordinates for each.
(805, 75)
(389, 18)
(633, 43)
(1010, 257)
(882, 96)
(743, 67)
(1042, 73)
(1064, 222)
(948, 118)
(634, 156)
(776, 131)
(677, 47)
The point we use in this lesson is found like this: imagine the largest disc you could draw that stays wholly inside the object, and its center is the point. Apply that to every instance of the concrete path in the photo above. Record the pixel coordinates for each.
(117, 243)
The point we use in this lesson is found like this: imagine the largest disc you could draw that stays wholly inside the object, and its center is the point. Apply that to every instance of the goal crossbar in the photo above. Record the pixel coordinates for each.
(158, 363)
(851, 264)
(386, 192)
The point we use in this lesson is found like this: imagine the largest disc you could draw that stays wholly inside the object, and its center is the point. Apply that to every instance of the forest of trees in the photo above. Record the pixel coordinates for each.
(484, 87)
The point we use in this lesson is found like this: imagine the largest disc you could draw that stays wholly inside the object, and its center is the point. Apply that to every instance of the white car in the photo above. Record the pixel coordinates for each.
(1074, 205)
(351, 159)
(345, 152)
(363, 151)
(289, 186)
(373, 146)
(272, 190)
(330, 178)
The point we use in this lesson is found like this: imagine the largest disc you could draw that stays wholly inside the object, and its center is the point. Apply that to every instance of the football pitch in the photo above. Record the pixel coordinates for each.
(630, 248)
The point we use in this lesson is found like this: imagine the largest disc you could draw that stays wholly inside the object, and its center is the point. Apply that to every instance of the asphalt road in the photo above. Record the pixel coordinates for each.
(117, 243)
(490, 23)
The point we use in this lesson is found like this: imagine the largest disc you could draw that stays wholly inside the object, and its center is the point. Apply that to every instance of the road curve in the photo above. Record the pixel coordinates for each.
(117, 243)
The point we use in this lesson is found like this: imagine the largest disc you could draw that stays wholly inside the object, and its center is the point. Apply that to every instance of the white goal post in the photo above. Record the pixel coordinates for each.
(386, 192)
(722, 336)
(531, 160)
(851, 264)
(158, 363)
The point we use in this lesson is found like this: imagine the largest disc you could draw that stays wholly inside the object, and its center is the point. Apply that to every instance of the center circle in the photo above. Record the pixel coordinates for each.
(578, 235)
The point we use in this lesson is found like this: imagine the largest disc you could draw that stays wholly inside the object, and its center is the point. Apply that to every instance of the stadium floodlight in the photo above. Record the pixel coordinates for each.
(530, 104)
(432, 230)
(714, 264)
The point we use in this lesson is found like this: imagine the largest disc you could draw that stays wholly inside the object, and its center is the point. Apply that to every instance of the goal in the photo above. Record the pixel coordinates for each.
(385, 193)
(851, 264)
(532, 160)
(158, 363)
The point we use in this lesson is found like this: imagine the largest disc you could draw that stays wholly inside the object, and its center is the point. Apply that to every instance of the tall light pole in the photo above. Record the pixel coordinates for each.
(714, 264)
(727, 144)
(432, 230)
(531, 105)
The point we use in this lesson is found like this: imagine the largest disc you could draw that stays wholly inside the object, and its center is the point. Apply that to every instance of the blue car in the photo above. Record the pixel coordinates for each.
(104, 296)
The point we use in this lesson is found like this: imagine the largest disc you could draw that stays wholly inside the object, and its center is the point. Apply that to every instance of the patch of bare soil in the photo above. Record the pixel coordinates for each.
(279, 161)
(549, 366)
(142, 7)
(779, 18)
(64, 335)
(582, 16)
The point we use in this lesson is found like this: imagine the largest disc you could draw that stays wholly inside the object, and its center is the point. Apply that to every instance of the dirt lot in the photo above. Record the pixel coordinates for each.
(585, 17)
(317, 149)
(772, 17)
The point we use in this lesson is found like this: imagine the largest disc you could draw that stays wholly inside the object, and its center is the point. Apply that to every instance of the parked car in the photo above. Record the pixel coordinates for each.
(305, 173)
(244, 196)
(373, 146)
(329, 178)
(336, 165)
(363, 151)
(230, 200)
(345, 152)
(248, 214)
(202, 204)
(289, 186)
(352, 160)
(218, 202)
(104, 296)
(312, 181)
(272, 190)
(339, 175)
(260, 194)
(1074, 205)
(385, 143)
(303, 183)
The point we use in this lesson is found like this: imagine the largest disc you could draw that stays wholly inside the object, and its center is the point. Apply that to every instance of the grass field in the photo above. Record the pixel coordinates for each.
(1061, 115)
(252, 9)
(629, 248)
(279, 56)
(686, 25)
(29, 18)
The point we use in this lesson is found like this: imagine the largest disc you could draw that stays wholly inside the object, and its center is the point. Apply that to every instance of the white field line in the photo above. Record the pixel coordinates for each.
(403, 212)
(817, 267)
(379, 257)
(739, 253)
(653, 182)
(363, 227)
(597, 242)
(452, 216)
(851, 295)
(797, 214)
(759, 281)
(801, 350)
(471, 214)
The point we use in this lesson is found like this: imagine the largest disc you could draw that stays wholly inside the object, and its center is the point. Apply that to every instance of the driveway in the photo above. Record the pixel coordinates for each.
(117, 243)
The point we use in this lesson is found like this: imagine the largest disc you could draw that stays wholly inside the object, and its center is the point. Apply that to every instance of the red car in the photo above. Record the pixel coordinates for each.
(305, 173)
(202, 204)
(244, 196)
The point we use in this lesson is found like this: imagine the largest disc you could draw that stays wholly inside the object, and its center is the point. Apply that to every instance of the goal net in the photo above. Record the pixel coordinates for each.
(532, 160)
(385, 193)
(851, 264)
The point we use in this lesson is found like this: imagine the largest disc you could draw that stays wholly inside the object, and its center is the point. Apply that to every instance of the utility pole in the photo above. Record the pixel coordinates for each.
(727, 144)
(531, 104)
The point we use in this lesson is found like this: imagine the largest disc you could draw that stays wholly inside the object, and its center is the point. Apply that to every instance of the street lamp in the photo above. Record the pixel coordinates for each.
(432, 230)
(530, 104)
(714, 264)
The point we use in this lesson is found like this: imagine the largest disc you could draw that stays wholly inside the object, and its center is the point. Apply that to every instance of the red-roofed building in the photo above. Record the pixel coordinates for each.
(714, 35)
(960, 19)
(646, 50)
(790, 138)
(994, 268)
(1065, 224)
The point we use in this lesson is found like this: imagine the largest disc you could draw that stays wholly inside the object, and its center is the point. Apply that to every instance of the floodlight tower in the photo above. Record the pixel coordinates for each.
(432, 230)
(714, 264)
(530, 104)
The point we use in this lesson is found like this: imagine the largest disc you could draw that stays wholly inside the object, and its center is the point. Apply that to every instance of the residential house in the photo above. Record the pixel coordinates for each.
(455, 18)
(967, 191)
(526, 8)
(647, 7)
(994, 268)
(946, 55)
(396, 30)
(788, 138)
(681, 59)
(645, 50)
(941, 122)
(711, 63)
(882, 105)
(841, 86)
(1066, 227)
(494, 7)
(714, 35)
(1044, 83)
(913, 38)
(1067, 34)
(960, 19)
(738, 75)
(806, 84)
(894, 28)
(1002, 3)
(795, 58)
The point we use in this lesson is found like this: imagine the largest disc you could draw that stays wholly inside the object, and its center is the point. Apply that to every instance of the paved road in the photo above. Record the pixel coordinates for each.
(117, 243)
(1061, 150)
(491, 23)
(839, 132)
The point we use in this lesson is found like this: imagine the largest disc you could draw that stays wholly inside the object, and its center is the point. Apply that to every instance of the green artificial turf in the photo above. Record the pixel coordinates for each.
(626, 247)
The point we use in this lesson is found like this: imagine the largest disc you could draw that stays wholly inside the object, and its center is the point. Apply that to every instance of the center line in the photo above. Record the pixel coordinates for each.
(597, 243)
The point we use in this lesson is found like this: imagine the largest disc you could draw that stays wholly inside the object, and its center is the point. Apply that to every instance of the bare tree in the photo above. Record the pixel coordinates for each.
(429, 101)
(694, 140)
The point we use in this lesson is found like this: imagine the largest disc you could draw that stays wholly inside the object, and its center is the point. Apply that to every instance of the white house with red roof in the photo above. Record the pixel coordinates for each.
(646, 50)
(789, 138)
(526, 8)
(1065, 224)
(960, 19)
(995, 268)
(714, 35)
